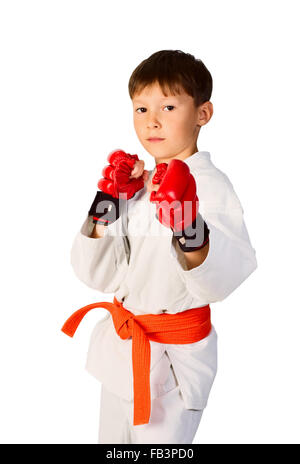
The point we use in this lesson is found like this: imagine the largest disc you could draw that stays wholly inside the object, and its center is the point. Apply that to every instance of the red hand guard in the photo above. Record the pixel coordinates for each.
(176, 201)
(161, 170)
(116, 175)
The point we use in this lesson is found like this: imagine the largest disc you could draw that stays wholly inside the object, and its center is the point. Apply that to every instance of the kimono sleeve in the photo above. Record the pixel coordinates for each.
(231, 257)
(101, 263)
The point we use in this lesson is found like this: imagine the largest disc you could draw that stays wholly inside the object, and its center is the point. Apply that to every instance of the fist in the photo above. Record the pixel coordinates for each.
(124, 175)
(175, 196)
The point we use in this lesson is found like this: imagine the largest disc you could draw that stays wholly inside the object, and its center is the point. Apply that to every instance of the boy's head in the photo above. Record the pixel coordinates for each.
(170, 93)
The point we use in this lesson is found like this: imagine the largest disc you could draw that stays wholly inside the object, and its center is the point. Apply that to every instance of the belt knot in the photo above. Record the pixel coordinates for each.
(124, 324)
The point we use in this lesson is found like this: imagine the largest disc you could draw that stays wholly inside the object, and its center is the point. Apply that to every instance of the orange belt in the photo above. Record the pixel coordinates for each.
(184, 327)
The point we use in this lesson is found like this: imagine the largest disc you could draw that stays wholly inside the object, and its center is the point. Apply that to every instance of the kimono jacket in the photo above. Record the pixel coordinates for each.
(140, 262)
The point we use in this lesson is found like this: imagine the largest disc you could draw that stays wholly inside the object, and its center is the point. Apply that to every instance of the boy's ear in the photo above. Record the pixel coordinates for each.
(205, 112)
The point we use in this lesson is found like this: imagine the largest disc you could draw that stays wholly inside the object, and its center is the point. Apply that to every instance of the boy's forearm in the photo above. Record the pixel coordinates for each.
(195, 258)
(98, 231)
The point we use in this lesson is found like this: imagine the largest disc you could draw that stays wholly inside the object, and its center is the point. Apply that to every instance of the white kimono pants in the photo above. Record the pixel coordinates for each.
(170, 422)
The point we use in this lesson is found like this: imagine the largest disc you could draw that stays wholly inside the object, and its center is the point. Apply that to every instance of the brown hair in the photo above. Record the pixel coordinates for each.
(173, 70)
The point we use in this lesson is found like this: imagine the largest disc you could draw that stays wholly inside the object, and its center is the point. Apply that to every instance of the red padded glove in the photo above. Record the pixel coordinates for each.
(177, 204)
(161, 170)
(117, 186)
(116, 176)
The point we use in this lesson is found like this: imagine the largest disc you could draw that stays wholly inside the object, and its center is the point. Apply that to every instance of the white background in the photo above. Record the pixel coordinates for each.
(64, 106)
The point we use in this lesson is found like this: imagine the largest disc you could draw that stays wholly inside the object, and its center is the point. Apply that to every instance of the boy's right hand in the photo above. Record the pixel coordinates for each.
(122, 178)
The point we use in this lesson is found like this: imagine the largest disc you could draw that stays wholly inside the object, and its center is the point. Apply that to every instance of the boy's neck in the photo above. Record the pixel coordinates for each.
(181, 156)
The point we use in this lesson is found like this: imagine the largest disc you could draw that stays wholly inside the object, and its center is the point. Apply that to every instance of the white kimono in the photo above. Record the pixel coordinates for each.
(146, 270)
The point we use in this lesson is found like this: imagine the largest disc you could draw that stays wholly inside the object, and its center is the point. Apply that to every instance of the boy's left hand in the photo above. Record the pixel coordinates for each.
(173, 190)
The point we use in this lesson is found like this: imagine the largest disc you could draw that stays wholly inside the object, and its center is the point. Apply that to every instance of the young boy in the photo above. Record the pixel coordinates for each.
(167, 243)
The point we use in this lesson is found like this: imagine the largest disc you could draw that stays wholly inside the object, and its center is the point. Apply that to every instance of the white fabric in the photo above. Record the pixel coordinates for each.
(146, 269)
(170, 421)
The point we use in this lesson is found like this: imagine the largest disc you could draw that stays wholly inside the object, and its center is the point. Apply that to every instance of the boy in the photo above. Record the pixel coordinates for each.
(167, 243)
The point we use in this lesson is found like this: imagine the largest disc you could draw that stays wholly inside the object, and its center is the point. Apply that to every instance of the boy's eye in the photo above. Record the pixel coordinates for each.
(142, 108)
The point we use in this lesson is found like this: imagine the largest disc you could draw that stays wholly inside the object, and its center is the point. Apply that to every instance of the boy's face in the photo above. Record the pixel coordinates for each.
(173, 118)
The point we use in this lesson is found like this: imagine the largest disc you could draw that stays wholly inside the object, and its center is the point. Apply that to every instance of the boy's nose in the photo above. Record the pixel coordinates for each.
(155, 126)
(153, 122)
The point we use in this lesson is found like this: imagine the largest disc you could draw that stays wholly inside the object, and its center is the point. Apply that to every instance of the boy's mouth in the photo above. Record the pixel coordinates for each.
(155, 139)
